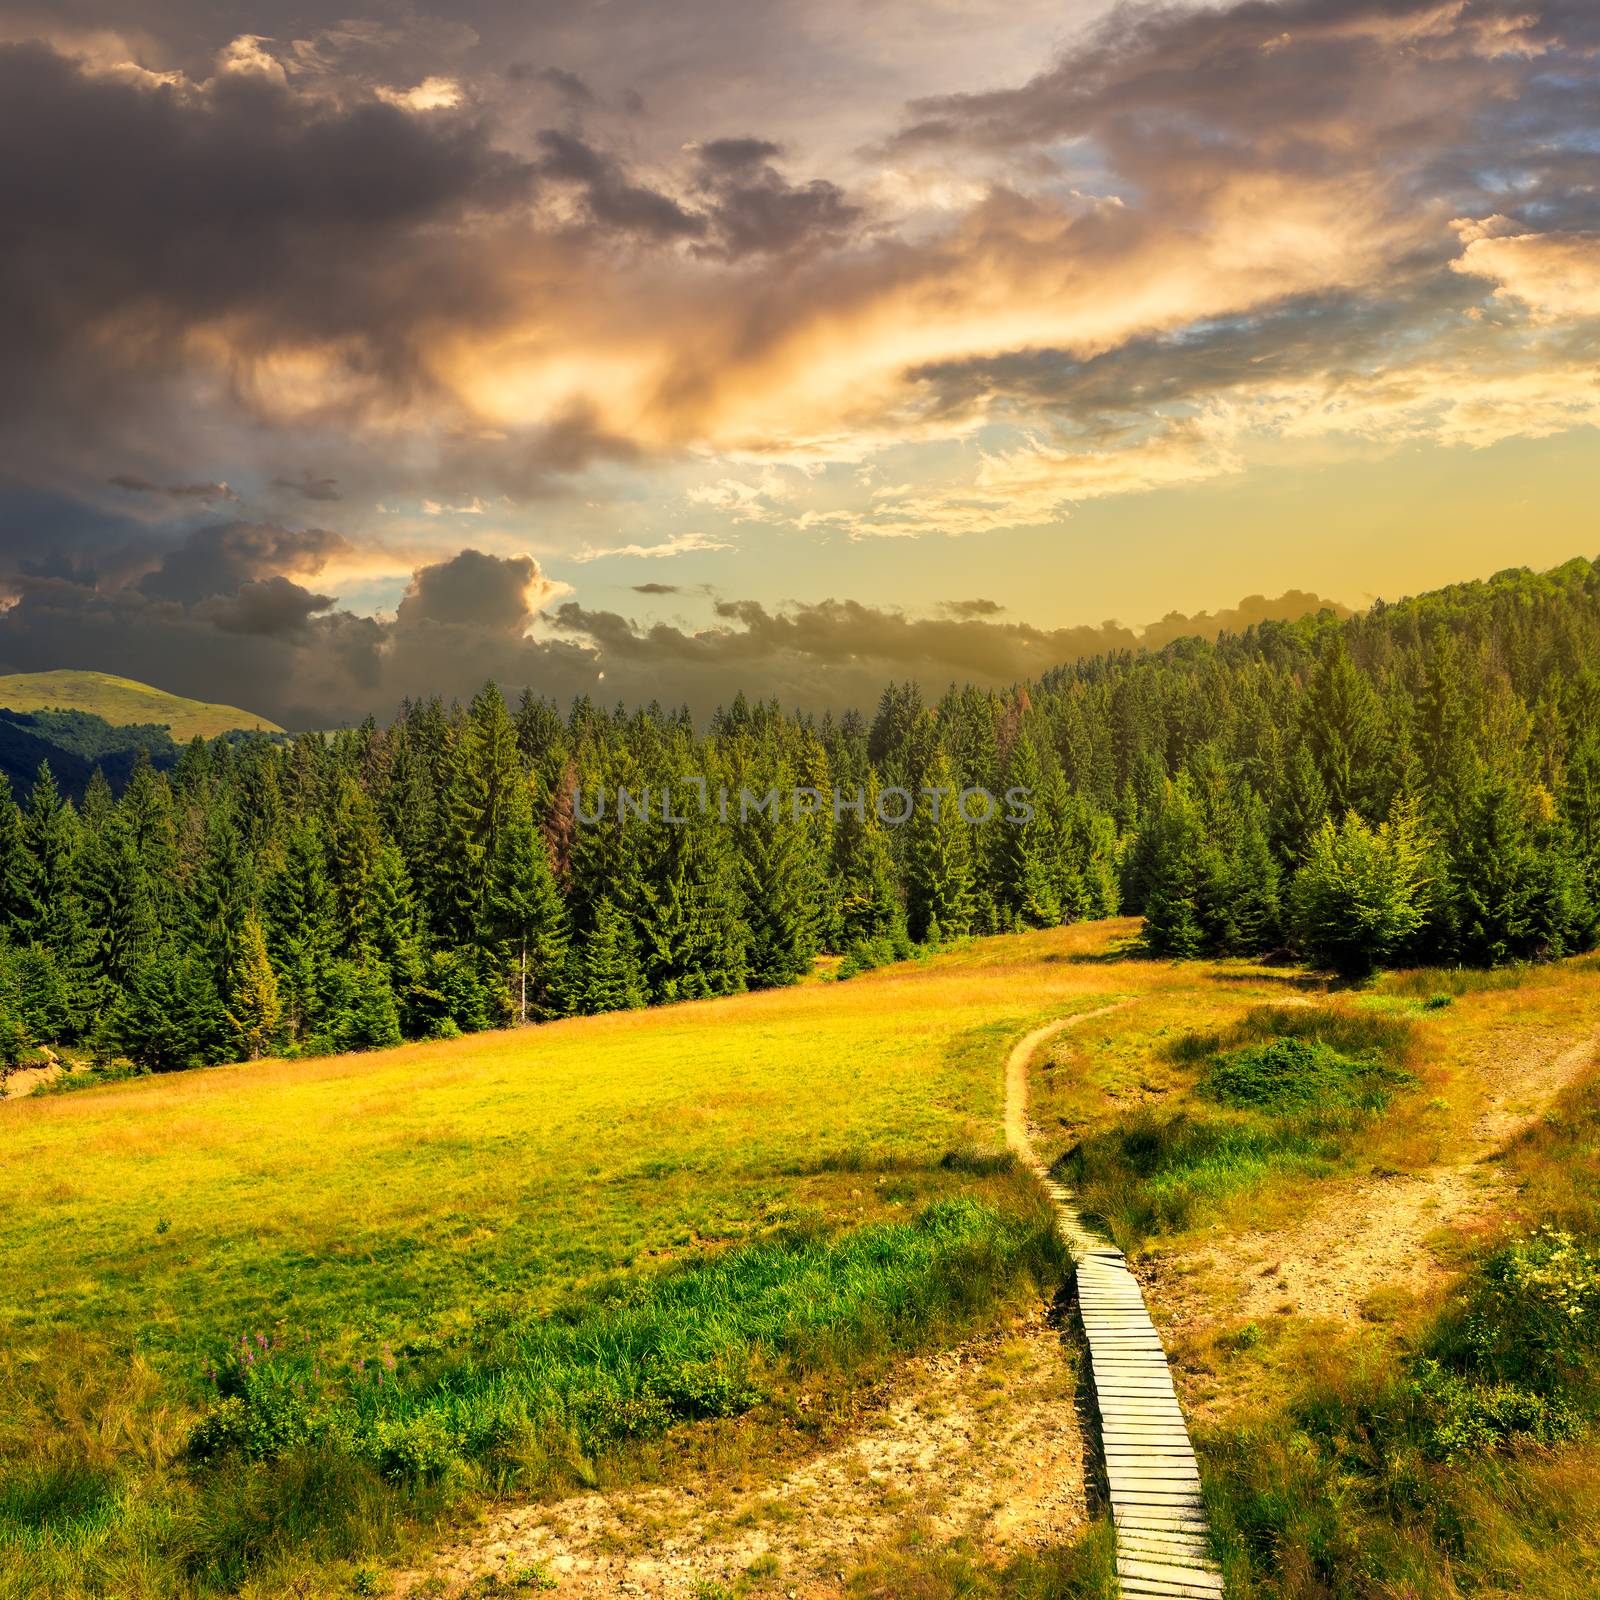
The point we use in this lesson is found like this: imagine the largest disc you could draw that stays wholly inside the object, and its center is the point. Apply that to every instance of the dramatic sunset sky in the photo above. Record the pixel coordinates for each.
(666, 347)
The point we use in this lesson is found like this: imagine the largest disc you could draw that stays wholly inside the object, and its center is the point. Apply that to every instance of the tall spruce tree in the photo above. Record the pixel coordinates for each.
(607, 975)
(527, 915)
(1026, 855)
(938, 857)
(1342, 728)
(485, 780)
(253, 1008)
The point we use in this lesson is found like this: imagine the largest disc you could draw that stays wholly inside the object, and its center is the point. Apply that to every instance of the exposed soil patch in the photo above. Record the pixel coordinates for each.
(983, 1442)
(1374, 1235)
(24, 1080)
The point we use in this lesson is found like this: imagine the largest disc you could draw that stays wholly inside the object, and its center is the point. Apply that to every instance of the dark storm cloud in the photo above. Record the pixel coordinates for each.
(309, 487)
(966, 610)
(218, 560)
(266, 606)
(135, 484)
(657, 588)
(737, 155)
(472, 589)
(614, 200)
(755, 210)
(568, 85)
(131, 216)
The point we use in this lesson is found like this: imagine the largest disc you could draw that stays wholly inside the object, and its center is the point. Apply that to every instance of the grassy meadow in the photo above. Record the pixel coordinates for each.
(124, 702)
(269, 1326)
(261, 1318)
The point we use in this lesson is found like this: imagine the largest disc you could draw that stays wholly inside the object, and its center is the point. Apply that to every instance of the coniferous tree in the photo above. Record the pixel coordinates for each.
(50, 834)
(16, 868)
(485, 780)
(938, 858)
(608, 975)
(1030, 853)
(120, 908)
(221, 896)
(1363, 897)
(778, 873)
(1302, 807)
(1167, 869)
(14, 1038)
(528, 916)
(300, 922)
(866, 900)
(1342, 731)
(692, 934)
(253, 1007)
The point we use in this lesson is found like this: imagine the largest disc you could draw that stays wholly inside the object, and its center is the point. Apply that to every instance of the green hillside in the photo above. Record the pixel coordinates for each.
(122, 702)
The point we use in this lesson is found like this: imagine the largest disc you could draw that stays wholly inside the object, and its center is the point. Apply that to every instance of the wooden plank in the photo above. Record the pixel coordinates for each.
(1178, 1498)
(1178, 1580)
(1153, 1476)
(1165, 1554)
(1140, 1589)
(1150, 1518)
(1186, 1549)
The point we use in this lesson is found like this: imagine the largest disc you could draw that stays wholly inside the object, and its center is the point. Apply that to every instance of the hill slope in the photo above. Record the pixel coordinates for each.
(122, 701)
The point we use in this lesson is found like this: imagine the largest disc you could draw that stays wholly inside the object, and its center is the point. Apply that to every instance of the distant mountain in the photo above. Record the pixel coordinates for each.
(124, 703)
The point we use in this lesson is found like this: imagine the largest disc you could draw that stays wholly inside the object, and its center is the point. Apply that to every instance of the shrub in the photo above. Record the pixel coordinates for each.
(1294, 1073)
(1363, 896)
(1460, 1417)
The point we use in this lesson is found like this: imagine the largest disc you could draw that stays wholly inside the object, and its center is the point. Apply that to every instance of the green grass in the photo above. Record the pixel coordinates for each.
(124, 703)
(1460, 1459)
(567, 1239)
(1283, 1092)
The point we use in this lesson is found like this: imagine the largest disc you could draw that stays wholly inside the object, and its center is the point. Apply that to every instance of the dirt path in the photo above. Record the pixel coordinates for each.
(1019, 1130)
(1374, 1235)
(983, 1442)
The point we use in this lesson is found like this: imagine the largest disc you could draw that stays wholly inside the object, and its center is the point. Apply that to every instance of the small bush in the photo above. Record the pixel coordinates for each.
(1459, 1417)
(1294, 1073)
(1296, 1085)
(864, 955)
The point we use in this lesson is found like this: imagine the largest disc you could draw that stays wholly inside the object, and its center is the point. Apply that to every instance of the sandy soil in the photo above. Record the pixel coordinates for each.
(983, 1442)
(1374, 1235)
(26, 1079)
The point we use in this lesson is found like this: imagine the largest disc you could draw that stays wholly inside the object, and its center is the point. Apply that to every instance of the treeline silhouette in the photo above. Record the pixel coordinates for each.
(1418, 784)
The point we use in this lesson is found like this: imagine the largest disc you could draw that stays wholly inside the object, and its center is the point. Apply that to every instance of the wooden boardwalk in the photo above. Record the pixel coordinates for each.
(1162, 1551)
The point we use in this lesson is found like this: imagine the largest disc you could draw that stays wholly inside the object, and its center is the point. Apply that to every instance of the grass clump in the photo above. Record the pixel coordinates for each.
(1436, 984)
(1286, 1090)
(1295, 1073)
(1359, 1035)
(641, 1356)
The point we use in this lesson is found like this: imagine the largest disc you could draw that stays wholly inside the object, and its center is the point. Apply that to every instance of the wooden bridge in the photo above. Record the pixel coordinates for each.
(1154, 1480)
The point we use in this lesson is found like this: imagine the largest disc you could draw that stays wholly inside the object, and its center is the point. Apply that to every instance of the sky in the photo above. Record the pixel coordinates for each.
(659, 350)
